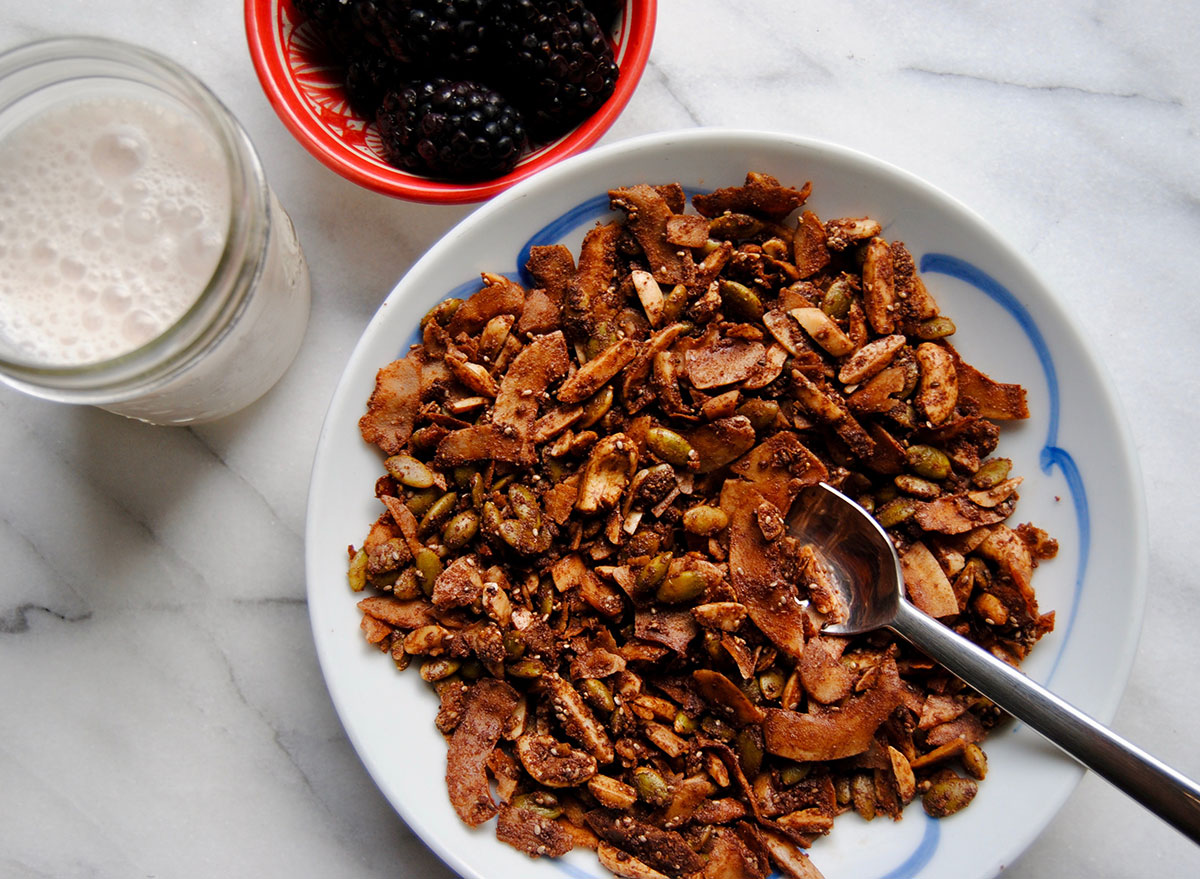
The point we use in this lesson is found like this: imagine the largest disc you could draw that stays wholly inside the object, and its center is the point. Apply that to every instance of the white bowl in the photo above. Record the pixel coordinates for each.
(1082, 485)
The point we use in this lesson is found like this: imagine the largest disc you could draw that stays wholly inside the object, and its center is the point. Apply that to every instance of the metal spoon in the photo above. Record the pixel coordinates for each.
(864, 564)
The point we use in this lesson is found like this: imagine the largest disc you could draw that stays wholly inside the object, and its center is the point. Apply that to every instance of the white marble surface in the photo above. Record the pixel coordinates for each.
(161, 709)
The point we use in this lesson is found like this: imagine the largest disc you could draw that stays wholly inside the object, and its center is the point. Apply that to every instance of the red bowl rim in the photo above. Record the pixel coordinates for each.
(271, 66)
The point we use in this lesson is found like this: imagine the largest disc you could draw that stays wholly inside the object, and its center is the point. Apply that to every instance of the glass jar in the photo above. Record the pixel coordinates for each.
(165, 297)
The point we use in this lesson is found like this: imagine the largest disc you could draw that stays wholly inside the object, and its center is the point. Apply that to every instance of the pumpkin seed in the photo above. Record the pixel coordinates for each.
(948, 795)
(928, 462)
(598, 693)
(761, 413)
(740, 301)
(357, 575)
(407, 470)
(439, 511)
(429, 568)
(896, 511)
(461, 530)
(651, 786)
(974, 760)
(540, 803)
(442, 312)
(837, 301)
(684, 586)
(597, 407)
(936, 328)
(705, 520)
(438, 669)
(669, 446)
(992, 472)
(653, 572)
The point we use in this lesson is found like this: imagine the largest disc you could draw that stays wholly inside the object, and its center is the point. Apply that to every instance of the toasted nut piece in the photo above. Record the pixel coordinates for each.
(997, 494)
(948, 795)
(650, 294)
(407, 470)
(611, 792)
(609, 467)
(705, 520)
(724, 615)
(554, 763)
(596, 373)
(431, 640)
(879, 293)
(870, 359)
(496, 603)
(357, 574)
(809, 821)
(843, 232)
(624, 864)
(990, 608)
(938, 392)
(771, 683)
(906, 782)
(823, 330)
(472, 375)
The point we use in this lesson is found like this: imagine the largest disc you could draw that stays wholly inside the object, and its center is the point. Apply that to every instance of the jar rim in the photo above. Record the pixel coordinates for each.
(239, 265)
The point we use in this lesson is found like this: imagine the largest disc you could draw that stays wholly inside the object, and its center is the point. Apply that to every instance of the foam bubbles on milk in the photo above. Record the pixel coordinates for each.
(113, 214)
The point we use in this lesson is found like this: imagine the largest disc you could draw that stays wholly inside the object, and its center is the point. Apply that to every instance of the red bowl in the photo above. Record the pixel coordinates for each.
(309, 98)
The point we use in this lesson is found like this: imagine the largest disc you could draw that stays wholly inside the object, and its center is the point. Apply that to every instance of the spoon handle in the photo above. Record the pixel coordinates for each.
(1172, 796)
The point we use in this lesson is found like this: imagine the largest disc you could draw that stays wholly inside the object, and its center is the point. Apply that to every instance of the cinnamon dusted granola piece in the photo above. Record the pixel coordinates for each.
(552, 268)
(489, 705)
(832, 735)
(393, 405)
(647, 214)
(499, 295)
(992, 399)
(664, 850)
(761, 194)
(533, 833)
(755, 573)
(723, 361)
(810, 252)
(591, 301)
(879, 292)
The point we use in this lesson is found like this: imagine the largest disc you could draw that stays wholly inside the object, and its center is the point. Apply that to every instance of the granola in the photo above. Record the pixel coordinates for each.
(584, 538)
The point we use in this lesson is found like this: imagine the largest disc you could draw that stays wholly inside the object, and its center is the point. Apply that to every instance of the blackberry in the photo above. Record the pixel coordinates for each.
(554, 60)
(370, 75)
(460, 130)
(437, 35)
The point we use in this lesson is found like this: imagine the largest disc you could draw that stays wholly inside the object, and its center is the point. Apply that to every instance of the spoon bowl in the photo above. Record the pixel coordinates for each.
(862, 562)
